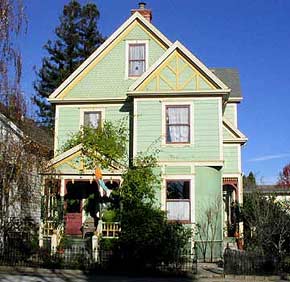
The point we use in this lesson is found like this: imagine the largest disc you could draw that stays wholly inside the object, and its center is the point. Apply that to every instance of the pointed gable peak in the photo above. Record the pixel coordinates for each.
(186, 72)
(135, 17)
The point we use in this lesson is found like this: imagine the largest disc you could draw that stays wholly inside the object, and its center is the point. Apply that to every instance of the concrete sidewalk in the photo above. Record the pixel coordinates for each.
(205, 273)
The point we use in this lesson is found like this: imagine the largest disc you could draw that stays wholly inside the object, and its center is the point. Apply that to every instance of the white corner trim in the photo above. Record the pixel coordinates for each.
(128, 42)
(56, 130)
(96, 53)
(187, 53)
(220, 119)
(135, 124)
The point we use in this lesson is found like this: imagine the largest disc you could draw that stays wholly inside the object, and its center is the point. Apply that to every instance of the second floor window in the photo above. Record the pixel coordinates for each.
(177, 124)
(137, 60)
(92, 119)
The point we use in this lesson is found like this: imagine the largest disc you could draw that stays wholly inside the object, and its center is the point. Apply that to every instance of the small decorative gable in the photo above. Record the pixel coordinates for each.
(178, 70)
(176, 73)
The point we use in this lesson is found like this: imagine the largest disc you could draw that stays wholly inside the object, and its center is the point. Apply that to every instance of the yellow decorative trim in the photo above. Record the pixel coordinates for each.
(181, 65)
(76, 154)
(105, 52)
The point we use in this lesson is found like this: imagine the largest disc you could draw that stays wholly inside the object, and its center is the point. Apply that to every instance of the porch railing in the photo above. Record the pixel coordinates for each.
(111, 229)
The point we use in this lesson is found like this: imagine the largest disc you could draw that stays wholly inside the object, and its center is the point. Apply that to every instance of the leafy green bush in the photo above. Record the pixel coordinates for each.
(148, 239)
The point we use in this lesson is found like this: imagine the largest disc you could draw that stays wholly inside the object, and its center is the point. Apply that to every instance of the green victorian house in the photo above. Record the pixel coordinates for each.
(171, 99)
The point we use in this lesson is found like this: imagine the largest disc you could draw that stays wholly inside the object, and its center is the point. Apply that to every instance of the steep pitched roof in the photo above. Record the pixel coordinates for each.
(135, 17)
(230, 76)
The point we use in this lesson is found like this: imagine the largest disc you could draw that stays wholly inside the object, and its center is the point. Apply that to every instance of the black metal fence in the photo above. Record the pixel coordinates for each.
(249, 263)
(184, 262)
(78, 257)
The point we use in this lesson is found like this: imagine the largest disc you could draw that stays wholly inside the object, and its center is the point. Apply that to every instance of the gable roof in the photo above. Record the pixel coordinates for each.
(187, 54)
(230, 76)
(135, 17)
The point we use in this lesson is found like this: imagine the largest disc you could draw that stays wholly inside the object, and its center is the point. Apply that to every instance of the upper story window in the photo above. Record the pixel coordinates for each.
(136, 59)
(178, 200)
(178, 124)
(92, 118)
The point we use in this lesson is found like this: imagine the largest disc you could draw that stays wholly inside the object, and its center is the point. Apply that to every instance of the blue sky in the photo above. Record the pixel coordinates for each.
(253, 36)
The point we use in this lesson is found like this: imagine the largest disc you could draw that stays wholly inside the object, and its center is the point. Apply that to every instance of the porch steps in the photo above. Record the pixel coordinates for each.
(78, 241)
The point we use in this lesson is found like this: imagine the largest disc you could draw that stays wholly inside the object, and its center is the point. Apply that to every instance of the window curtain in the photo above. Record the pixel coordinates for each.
(180, 132)
(136, 60)
(178, 211)
(92, 119)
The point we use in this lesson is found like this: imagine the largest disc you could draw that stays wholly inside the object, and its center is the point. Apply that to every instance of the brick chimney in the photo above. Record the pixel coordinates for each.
(146, 13)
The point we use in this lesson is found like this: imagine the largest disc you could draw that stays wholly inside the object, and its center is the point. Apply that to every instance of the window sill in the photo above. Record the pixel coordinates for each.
(181, 145)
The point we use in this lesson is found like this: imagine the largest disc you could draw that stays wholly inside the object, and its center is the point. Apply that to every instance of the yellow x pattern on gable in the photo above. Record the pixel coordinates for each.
(75, 161)
(176, 73)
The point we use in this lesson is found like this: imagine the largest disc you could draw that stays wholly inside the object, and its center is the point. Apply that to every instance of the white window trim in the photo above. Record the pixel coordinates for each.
(92, 109)
(128, 42)
(163, 132)
(192, 192)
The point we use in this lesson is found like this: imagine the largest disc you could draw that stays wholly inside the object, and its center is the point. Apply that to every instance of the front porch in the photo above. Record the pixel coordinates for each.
(78, 208)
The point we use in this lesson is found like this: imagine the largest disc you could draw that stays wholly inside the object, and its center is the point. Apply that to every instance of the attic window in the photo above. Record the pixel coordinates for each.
(137, 59)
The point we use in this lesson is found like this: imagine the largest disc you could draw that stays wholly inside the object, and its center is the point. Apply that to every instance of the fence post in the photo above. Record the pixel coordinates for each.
(95, 247)
(53, 242)
(41, 235)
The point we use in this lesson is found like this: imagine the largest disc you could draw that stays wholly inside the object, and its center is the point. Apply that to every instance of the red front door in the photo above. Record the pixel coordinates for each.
(73, 224)
(73, 217)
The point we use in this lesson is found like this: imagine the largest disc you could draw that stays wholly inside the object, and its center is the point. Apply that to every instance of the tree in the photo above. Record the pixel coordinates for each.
(249, 182)
(284, 177)
(77, 36)
(12, 24)
(267, 225)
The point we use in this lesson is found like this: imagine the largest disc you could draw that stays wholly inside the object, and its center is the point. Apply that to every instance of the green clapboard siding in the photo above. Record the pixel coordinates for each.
(107, 78)
(231, 158)
(207, 197)
(177, 170)
(68, 124)
(69, 119)
(227, 134)
(205, 128)
(230, 113)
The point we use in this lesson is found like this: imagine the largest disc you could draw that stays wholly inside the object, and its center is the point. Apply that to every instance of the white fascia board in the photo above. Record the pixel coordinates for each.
(201, 92)
(12, 125)
(235, 99)
(96, 53)
(88, 100)
(65, 155)
(198, 63)
(234, 129)
(187, 53)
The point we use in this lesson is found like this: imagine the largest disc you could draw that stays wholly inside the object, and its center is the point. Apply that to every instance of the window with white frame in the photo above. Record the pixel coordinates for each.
(136, 59)
(178, 200)
(177, 124)
(92, 119)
